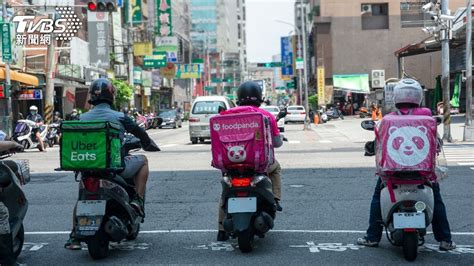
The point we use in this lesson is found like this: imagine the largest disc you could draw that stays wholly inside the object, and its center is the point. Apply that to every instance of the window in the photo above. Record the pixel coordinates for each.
(374, 16)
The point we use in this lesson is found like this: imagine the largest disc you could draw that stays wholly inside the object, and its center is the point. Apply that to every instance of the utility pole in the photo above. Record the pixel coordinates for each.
(445, 74)
(9, 129)
(130, 52)
(468, 128)
(49, 93)
(303, 34)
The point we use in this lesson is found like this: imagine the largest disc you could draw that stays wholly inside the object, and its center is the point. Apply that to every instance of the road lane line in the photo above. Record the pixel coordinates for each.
(466, 164)
(178, 231)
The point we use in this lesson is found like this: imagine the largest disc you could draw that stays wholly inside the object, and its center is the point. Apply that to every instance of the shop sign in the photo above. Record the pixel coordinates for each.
(2, 93)
(142, 48)
(169, 71)
(188, 71)
(321, 85)
(35, 94)
(164, 18)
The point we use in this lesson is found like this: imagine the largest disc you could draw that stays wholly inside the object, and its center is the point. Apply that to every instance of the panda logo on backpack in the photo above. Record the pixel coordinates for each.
(237, 154)
(217, 127)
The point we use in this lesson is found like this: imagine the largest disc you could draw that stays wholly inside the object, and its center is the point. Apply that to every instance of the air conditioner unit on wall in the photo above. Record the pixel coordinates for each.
(366, 8)
(378, 78)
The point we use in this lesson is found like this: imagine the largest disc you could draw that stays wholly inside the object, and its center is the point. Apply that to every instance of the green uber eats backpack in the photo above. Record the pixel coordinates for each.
(90, 145)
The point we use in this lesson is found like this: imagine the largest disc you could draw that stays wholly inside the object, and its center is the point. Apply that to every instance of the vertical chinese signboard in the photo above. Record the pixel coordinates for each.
(321, 85)
(98, 26)
(6, 42)
(286, 58)
(136, 12)
(163, 18)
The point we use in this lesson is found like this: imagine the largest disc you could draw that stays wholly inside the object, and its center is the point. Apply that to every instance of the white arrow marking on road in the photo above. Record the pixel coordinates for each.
(315, 248)
(294, 141)
(325, 141)
(169, 145)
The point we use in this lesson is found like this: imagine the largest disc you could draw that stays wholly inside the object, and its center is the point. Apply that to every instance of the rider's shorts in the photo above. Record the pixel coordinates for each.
(133, 164)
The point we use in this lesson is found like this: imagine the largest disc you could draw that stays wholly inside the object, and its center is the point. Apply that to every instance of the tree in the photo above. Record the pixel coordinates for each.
(124, 92)
(313, 102)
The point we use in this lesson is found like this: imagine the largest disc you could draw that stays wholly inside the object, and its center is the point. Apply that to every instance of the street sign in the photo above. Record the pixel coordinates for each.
(321, 85)
(119, 3)
(269, 65)
(157, 60)
(299, 63)
(6, 42)
(35, 94)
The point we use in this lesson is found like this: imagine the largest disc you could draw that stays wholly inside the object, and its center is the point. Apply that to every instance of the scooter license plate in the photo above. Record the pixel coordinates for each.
(239, 205)
(90, 208)
(403, 220)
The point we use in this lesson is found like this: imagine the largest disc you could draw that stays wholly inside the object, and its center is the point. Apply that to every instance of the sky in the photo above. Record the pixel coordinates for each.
(263, 32)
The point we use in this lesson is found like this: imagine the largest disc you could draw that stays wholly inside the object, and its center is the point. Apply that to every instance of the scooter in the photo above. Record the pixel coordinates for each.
(13, 207)
(103, 212)
(53, 134)
(364, 112)
(24, 136)
(249, 203)
(334, 113)
(407, 205)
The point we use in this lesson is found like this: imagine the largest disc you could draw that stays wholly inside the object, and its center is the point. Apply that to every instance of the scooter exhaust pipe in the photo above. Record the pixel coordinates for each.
(116, 229)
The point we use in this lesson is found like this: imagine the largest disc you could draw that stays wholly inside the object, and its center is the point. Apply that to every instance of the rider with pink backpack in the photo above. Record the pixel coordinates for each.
(253, 133)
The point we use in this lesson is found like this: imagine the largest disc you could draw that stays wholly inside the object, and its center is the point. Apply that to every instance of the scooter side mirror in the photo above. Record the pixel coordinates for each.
(368, 125)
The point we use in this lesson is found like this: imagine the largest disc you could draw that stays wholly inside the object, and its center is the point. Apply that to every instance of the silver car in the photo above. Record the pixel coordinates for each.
(203, 109)
(274, 110)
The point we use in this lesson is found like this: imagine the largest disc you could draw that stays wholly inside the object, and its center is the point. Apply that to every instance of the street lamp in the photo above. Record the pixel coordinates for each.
(303, 38)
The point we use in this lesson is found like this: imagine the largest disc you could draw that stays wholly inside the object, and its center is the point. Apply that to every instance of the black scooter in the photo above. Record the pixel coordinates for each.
(249, 203)
(103, 212)
(13, 207)
(334, 113)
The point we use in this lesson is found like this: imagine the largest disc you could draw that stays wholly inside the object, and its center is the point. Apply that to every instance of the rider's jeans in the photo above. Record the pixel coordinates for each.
(440, 224)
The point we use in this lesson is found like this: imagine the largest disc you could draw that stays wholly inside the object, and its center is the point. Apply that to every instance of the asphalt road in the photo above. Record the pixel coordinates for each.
(327, 187)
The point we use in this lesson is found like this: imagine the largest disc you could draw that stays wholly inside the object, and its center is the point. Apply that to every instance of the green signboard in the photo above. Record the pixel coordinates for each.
(269, 65)
(157, 60)
(6, 42)
(136, 12)
(198, 61)
(164, 25)
(356, 82)
(208, 88)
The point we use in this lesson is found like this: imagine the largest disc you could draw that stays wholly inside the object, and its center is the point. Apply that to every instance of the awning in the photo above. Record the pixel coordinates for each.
(358, 83)
(23, 78)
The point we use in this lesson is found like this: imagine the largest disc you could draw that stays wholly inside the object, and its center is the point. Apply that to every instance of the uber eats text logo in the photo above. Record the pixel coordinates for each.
(81, 151)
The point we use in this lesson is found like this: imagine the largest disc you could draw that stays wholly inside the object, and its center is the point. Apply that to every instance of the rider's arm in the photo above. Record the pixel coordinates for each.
(277, 138)
(137, 131)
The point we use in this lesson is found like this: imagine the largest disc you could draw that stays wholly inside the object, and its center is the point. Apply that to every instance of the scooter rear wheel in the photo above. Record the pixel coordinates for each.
(98, 245)
(410, 245)
(18, 242)
(134, 235)
(245, 240)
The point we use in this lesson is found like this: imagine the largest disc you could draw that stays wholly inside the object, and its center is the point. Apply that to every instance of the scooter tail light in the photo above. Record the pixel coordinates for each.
(91, 184)
(409, 230)
(241, 182)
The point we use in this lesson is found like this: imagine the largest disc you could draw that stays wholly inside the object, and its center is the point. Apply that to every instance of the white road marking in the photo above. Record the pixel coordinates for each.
(294, 141)
(169, 145)
(472, 168)
(296, 186)
(178, 231)
(466, 164)
(325, 141)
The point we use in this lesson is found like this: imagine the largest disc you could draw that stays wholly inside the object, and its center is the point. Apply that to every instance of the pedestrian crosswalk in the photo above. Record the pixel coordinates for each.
(459, 154)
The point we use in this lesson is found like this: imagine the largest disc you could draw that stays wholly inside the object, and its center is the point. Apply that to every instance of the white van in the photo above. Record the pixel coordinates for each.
(205, 107)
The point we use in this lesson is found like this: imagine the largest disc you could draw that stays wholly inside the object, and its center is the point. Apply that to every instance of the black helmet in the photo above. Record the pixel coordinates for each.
(249, 93)
(102, 91)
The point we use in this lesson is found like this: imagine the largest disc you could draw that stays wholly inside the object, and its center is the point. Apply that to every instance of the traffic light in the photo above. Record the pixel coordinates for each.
(102, 6)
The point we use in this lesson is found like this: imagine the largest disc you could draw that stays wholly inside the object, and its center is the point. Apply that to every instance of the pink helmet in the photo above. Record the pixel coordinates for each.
(408, 91)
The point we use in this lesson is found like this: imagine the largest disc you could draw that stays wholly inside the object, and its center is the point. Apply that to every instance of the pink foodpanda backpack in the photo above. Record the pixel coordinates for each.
(407, 143)
(241, 140)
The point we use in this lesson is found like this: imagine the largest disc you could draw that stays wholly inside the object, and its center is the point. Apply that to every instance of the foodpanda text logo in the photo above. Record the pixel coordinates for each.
(236, 126)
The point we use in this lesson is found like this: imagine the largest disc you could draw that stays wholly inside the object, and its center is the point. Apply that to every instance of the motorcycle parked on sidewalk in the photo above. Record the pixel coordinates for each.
(13, 206)
(24, 135)
(364, 112)
(334, 113)
(407, 200)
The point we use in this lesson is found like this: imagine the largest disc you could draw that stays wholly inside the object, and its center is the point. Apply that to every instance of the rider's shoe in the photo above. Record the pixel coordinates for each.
(139, 205)
(446, 246)
(222, 236)
(72, 243)
(363, 241)
(278, 206)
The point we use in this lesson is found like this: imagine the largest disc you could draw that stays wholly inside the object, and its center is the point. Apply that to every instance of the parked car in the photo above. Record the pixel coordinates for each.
(296, 113)
(171, 118)
(203, 109)
(274, 110)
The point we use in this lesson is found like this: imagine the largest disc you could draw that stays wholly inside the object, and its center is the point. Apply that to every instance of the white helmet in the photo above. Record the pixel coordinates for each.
(408, 91)
(33, 108)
